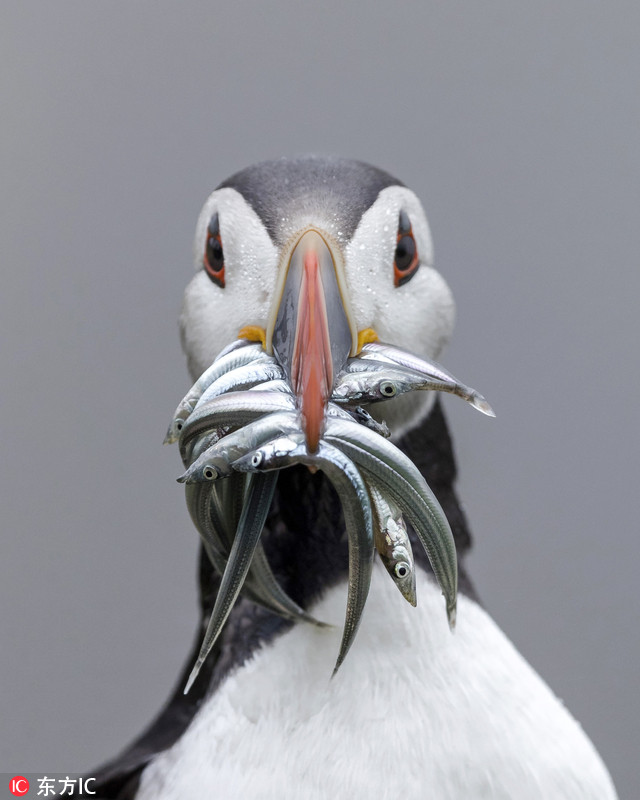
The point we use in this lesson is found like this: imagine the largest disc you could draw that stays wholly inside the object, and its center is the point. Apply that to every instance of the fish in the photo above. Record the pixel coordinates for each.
(208, 525)
(273, 386)
(376, 385)
(236, 344)
(214, 516)
(390, 467)
(240, 424)
(232, 410)
(392, 542)
(192, 447)
(254, 514)
(289, 450)
(229, 359)
(380, 351)
(244, 377)
(215, 462)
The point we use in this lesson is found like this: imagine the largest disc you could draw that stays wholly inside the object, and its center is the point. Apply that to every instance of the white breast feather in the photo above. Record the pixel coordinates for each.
(415, 713)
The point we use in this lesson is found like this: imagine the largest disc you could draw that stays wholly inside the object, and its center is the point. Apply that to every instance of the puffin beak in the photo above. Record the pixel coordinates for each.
(311, 329)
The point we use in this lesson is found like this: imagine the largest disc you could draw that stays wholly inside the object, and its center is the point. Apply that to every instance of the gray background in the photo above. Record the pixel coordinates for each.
(517, 126)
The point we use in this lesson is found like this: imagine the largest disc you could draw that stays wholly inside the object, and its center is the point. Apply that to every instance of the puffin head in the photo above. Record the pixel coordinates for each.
(314, 257)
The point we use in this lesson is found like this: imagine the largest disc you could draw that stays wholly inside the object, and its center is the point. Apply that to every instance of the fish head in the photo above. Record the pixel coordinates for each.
(404, 573)
(206, 469)
(278, 453)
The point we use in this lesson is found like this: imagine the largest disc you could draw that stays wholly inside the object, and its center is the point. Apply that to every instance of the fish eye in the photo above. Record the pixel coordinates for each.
(406, 262)
(256, 459)
(402, 569)
(213, 260)
(179, 424)
(387, 388)
(209, 473)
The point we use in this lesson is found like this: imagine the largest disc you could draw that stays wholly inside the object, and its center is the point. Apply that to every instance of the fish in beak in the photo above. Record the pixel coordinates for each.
(311, 330)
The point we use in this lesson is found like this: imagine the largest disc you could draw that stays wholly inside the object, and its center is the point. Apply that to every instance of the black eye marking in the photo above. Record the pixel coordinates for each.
(406, 261)
(213, 260)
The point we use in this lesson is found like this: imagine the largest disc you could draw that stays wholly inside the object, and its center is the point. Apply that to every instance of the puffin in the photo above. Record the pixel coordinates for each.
(416, 710)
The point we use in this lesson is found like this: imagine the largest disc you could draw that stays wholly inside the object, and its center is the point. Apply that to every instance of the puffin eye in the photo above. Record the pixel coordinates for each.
(213, 256)
(406, 262)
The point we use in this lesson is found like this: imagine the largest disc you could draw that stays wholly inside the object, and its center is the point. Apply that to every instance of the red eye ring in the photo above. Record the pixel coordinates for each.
(213, 259)
(405, 261)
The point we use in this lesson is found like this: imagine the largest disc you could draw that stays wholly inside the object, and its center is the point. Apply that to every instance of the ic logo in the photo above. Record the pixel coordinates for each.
(19, 786)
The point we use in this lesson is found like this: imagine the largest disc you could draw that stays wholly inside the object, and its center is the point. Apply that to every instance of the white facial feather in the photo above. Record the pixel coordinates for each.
(418, 316)
(415, 712)
(211, 316)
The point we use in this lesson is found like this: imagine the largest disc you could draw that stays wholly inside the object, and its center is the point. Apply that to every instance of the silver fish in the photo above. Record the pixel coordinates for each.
(232, 410)
(392, 543)
(255, 511)
(379, 351)
(264, 585)
(215, 513)
(261, 585)
(272, 455)
(391, 468)
(192, 446)
(208, 526)
(273, 386)
(196, 446)
(240, 378)
(237, 344)
(356, 505)
(367, 362)
(229, 497)
(228, 360)
(215, 462)
(376, 385)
